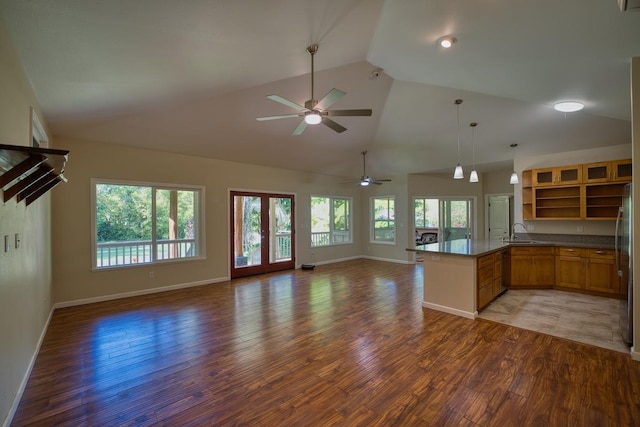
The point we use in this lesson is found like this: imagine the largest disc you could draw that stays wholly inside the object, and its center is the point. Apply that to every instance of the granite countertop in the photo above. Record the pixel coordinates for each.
(476, 248)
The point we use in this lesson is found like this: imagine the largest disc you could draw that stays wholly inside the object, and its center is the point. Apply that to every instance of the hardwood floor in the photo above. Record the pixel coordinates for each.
(347, 344)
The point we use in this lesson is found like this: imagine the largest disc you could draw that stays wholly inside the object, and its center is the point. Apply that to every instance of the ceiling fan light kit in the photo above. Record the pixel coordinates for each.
(366, 180)
(314, 112)
(447, 41)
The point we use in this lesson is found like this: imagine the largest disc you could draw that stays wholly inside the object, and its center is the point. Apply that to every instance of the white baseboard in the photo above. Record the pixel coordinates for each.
(396, 261)
(634, 354)
(137, 293)
(25, 378)
(455, 311)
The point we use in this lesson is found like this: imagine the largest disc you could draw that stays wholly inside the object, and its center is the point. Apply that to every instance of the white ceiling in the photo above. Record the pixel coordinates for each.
(191, 76)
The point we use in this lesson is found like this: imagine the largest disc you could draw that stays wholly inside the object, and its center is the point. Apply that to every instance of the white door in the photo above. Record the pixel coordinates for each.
(498, 217)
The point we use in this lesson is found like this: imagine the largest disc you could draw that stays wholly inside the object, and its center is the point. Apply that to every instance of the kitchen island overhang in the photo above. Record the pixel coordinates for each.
(450, 274)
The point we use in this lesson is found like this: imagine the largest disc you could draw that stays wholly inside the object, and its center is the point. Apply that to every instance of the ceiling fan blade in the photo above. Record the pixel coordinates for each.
(383, 180)
(329, 99)
(376, 182)
(286, 102)
(300, 128)
(363, 112)
(333, 125)
(286, 116)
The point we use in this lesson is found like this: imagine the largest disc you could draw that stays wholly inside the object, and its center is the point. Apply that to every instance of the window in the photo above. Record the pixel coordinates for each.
(383, 224)
(453, 217)
(138, 223)
(330, 221)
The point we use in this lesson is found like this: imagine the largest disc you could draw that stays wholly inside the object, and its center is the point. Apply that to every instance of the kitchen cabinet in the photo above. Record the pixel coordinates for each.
(612, 171)
(601, 272)
(570, 271)
(559, 175)
(489, 275)
(588, 270)
(532, 267)
(591, 191)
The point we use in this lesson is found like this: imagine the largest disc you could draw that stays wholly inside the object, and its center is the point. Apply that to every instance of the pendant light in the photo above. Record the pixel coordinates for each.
(514, 176)
(458, 173)
(473, 176)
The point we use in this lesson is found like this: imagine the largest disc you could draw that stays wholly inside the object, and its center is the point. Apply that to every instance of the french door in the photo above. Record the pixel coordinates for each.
(455, 219)
(262, 230)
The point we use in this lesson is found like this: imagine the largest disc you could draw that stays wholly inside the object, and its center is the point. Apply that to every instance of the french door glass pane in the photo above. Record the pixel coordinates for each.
(280, 218)
(248, 231)
(455, 219)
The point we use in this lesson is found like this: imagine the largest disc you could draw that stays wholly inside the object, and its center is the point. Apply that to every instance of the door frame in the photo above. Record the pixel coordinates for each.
(265, 266)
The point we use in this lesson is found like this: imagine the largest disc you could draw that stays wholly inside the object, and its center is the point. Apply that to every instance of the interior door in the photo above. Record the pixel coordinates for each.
(262, 226)
(455, 219)
(498, 217)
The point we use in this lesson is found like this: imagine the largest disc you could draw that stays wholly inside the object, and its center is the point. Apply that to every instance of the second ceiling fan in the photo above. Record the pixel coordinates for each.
(314, 111)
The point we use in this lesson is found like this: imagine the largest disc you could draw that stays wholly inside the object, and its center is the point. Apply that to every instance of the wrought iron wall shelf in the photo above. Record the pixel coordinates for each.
(27, 173)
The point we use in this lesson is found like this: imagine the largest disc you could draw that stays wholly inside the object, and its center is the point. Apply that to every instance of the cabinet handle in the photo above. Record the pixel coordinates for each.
(570, 250)
(599, 252)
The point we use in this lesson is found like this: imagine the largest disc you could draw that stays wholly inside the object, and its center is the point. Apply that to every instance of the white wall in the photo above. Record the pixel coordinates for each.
(25, 273)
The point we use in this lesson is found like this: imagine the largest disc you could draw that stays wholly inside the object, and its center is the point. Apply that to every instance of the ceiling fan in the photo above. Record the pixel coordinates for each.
(315, 111)
(365, 180)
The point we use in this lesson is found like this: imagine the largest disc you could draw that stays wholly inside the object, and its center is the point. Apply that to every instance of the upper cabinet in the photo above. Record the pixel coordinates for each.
(560, 175)
(615, 171)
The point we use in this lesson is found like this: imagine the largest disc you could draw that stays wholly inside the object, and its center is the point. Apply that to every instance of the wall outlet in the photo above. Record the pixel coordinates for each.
(580, 228)
(152, 275)
(530, 227)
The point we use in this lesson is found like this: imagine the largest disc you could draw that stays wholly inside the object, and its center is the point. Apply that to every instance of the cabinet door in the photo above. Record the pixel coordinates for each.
(597, 172)
(568, 175)
(602, 277)
(543, 270)
(520, 271)
(622, 170)
(542, 177)
(570, 272)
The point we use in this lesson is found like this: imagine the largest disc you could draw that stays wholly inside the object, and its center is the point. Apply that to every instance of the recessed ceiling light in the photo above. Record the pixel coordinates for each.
(447, 41)
(568, 106)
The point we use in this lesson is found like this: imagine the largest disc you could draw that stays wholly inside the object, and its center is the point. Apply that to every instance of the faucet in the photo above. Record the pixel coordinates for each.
(513, 229)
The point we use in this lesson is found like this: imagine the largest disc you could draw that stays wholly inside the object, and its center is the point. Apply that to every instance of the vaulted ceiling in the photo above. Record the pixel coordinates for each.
(191, 77)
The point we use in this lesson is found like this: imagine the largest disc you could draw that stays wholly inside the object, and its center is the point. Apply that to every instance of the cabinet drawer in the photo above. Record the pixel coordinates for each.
(600, 253)
(485, 295)
(532, 250)
(485, 276)
(485, 261)
(570, 252)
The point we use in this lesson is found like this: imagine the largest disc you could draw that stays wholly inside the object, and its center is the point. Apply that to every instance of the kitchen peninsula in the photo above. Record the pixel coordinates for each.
(463, 276)
(451, 274)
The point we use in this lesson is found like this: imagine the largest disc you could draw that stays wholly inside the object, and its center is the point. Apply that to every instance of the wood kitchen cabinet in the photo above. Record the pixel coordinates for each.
(589, 270)
(559, 175)
(612, 171)
(532, 267)
(601, 272)
(490, 281)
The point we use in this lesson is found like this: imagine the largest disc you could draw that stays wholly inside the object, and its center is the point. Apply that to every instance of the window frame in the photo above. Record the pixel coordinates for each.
(332, 230)
(372, 221)
(199, 220)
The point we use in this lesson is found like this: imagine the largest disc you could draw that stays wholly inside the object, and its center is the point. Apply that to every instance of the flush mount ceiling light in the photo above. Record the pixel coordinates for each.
(514, 176)
(568, 106)
(447, 41)
(458, 173)
(473, 176)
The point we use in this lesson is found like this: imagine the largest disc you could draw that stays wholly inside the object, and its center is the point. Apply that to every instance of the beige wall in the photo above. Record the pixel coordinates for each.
(25, 273)
(635, 136)
(73, 277)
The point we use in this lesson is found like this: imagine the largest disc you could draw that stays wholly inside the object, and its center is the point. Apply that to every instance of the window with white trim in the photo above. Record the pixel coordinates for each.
(140, 223)
(383, 223)
(330, 221)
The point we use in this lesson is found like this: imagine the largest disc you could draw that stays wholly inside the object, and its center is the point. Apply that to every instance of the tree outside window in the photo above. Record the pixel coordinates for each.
(384, 224)
(330, 221)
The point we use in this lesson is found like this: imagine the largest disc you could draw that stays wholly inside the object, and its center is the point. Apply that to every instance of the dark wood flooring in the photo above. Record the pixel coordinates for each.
(347, 344)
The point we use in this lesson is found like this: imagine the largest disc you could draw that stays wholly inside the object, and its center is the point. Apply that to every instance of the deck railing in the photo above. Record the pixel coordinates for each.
(113, 254)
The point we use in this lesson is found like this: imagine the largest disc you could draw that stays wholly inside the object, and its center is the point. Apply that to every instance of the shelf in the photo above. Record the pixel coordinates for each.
(27, 173)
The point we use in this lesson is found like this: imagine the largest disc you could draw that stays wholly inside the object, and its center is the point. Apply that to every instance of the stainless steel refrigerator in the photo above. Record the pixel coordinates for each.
(624, 264)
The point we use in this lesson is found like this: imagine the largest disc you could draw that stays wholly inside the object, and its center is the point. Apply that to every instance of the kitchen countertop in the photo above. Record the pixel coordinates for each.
(479, 247)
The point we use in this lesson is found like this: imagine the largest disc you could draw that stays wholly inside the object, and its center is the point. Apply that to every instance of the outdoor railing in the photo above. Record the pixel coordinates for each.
(326, 238)
(114, 254)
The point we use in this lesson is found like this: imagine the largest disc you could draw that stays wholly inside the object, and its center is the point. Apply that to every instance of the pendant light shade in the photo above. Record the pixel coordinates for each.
(473, 177)
(458, 173)
(514, 176)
